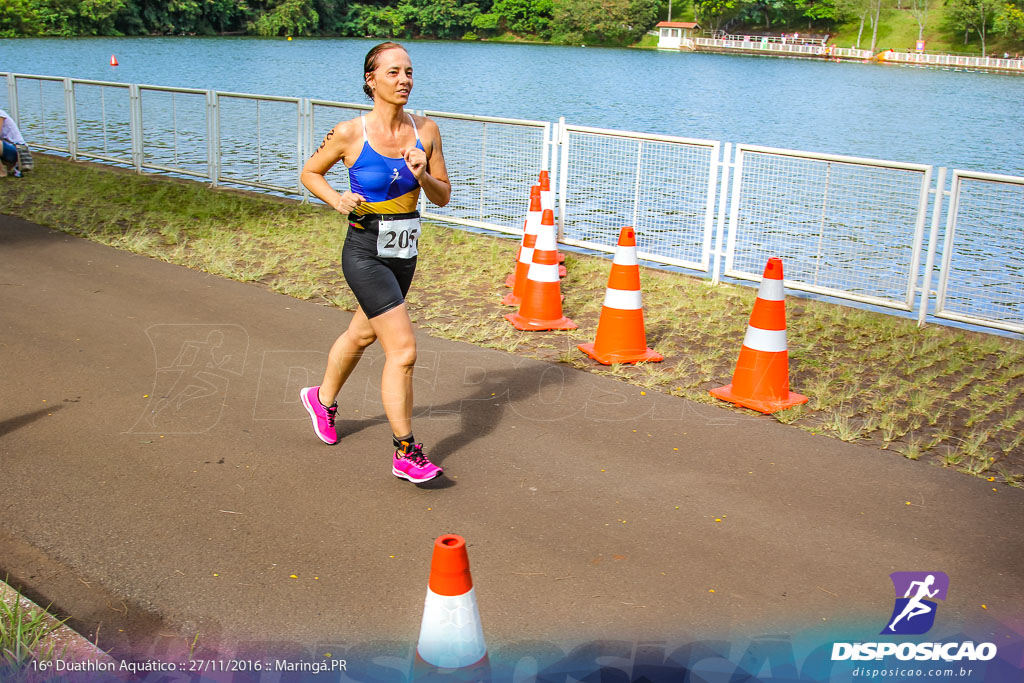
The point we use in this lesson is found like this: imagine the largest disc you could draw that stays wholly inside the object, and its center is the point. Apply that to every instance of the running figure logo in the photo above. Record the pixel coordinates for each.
(914, 613)
(394, 175)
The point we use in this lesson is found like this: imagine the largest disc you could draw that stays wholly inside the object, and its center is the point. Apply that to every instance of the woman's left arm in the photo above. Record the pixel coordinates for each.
(428, 166)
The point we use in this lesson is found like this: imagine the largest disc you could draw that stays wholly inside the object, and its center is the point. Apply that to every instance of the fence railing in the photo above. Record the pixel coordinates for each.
(764, 44)
(489, 159)
(957, 61)
(845, 227)
(663, 186)
(982, 273)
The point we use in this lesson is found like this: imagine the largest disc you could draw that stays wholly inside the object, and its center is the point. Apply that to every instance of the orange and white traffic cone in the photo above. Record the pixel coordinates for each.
(451, 644)
(531, 226)
(620, 331)
(761, 379)
(547, 201)
(541, 307)
(530, 230)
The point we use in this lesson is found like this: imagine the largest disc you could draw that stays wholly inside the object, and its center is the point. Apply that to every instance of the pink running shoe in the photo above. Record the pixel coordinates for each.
(414, 466)
(323, 418)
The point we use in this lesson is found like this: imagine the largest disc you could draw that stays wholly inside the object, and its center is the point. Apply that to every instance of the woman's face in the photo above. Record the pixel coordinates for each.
(391, 81)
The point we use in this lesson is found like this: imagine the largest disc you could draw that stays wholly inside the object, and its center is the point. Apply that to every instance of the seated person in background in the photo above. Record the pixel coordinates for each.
(14, 154)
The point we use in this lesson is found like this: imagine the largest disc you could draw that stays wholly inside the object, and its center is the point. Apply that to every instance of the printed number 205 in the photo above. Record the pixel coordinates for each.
(403, 239)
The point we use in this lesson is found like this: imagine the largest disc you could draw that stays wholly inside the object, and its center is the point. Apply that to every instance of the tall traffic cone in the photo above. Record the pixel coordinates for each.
(451, 638)
(531, 227)
(761, 379)
(620, 331)
(547, 201)
(113, 60)
(541, 308)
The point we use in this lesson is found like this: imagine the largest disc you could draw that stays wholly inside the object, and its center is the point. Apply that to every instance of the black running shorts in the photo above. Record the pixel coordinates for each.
(380, 282)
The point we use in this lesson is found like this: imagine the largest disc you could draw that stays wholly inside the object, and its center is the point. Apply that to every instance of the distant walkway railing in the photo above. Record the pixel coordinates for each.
(758, 44)
(955, 61)
(864, 230)
(764, 44)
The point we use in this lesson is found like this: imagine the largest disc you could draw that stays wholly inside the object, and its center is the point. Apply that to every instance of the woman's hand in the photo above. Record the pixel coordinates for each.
(416, 160)
(348, 202)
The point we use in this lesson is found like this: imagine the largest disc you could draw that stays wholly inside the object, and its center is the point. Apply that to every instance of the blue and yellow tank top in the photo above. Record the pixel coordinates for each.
(386, 183)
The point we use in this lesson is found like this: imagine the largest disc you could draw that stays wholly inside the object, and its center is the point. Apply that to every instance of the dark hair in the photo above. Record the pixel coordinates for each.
(370, 63)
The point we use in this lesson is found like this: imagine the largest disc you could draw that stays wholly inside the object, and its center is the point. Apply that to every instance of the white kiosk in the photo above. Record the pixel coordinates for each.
(676, 35)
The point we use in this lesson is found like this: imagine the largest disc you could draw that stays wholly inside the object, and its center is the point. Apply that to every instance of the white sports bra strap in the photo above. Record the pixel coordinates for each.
(414, 130)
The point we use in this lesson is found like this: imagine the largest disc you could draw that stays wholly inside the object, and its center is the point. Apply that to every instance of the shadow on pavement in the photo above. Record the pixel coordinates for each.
(8, 426)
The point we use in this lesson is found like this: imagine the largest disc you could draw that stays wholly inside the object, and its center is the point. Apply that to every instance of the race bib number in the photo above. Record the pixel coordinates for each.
(397, 239)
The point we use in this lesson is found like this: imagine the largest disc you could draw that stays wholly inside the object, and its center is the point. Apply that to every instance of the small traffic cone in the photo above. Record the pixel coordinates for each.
(761, 379)
(451, 644)
(620, 331)
(113, 60)
(530, 228)
(541, 307)
(547, 201)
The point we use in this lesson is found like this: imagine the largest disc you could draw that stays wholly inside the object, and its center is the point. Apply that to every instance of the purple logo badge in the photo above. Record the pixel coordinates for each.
(914, 611)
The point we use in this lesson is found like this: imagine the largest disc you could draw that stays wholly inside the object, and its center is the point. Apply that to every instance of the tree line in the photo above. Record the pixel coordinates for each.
(595, 22)
(615, 22)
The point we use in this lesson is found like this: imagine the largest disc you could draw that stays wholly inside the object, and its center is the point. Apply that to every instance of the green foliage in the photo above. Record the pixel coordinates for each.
(603, 22)
(445, 19)
(287, 18)
(711, 14)
(71, 18)
(1010, 22)
(380, 22)
(525, 16)
(974, 15)
(17, 18)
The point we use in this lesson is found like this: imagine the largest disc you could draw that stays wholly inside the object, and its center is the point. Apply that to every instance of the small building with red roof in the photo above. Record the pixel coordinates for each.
(675, 35)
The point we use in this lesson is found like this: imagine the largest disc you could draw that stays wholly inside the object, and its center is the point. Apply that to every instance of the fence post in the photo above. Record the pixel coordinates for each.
(135, 125)
(70, 118)
(300, 142)
(305, 141)
(12, 96)
(213, 136)
(563, 173)
(723, 192)
(933, 239)
(422, 207)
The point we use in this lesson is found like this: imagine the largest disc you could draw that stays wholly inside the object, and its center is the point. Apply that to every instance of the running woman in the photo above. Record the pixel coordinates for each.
(390, 155)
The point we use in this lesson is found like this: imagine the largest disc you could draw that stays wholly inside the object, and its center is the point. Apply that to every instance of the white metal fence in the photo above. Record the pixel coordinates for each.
(955, 61)
(845, 227)
(982, 273)
(779, 48)
(490, 161)
(766, 44)
(663, 186)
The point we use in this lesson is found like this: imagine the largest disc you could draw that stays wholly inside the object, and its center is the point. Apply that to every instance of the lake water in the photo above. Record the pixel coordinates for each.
(971, 121)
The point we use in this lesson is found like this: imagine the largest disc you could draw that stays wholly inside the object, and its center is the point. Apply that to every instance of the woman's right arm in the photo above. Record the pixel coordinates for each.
(330, 152)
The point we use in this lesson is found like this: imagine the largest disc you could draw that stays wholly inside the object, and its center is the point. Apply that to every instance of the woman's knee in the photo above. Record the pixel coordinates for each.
(359, 337)
(403, 355)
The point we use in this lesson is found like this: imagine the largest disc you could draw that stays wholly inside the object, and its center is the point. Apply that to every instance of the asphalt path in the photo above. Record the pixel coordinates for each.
(160, 479)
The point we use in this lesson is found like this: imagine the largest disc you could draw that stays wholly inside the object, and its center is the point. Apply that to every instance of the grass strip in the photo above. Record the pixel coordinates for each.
(24, 638)
(950, 397)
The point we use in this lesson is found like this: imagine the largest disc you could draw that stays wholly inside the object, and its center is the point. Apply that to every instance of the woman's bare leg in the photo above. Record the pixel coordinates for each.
(344, 355)
(394, 330)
